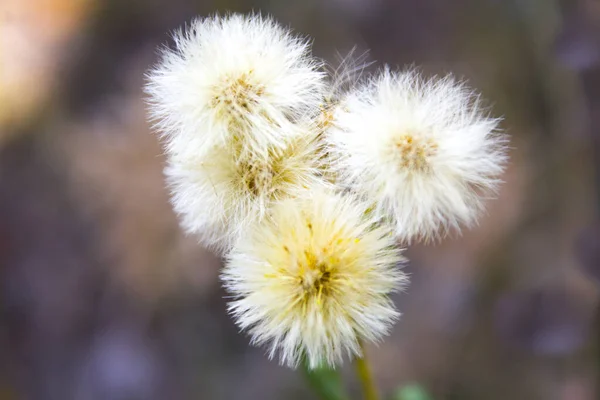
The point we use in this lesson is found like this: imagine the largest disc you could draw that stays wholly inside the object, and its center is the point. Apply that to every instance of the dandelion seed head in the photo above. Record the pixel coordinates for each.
(219, 195)
(423, 152)
(314, 278)
(234, 76)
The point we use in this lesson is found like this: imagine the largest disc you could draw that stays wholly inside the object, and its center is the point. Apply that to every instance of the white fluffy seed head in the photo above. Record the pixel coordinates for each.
(220, 194)
(314, 279)
(230, 77)
(422, 152)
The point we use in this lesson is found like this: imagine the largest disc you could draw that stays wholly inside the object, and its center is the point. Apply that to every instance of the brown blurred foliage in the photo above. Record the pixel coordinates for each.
(34, 36)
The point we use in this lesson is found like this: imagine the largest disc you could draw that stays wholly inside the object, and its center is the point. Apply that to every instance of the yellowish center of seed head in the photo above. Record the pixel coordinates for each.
(236, 95)
(316, 280)
(315, 276)
(318, 272)
(274, 176)
(257, 178)
(415, 152)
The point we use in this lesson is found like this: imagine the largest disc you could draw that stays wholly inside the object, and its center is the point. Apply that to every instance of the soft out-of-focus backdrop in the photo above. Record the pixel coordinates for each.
(102, 297)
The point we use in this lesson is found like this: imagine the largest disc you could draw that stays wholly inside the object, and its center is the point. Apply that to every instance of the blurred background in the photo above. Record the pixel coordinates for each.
(102, 297)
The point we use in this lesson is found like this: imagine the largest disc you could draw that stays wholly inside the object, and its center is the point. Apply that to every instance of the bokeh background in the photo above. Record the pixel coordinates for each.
(103, 298)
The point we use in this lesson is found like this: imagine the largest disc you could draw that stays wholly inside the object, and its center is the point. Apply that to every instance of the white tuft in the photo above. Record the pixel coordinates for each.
(422, 152)
(232, 77)
(314, 279)
(219, 195)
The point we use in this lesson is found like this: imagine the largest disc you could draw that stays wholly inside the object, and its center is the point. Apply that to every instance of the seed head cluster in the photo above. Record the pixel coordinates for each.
(309, 182)
(314, 278)
(422, 152)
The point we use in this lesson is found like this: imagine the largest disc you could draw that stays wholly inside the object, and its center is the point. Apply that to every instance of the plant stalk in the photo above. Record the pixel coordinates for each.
(363, 371)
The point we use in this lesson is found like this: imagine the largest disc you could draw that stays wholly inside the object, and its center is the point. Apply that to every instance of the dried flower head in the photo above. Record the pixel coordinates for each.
(232, 78)
(220, 194)
(314, 278)
(422, 152)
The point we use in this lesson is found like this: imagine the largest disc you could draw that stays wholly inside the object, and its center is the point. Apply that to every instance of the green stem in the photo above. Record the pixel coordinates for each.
(363, 371)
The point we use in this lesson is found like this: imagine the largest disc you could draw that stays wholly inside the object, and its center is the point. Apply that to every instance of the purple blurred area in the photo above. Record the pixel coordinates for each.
(102, 297)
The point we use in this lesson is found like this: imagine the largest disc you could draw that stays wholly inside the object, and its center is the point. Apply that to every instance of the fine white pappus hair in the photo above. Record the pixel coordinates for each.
(314, 279)
(232, 77)
(423, 152)
(343, 78)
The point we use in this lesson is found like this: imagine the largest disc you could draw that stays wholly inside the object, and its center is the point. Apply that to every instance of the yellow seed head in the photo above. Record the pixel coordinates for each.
(314, 279)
